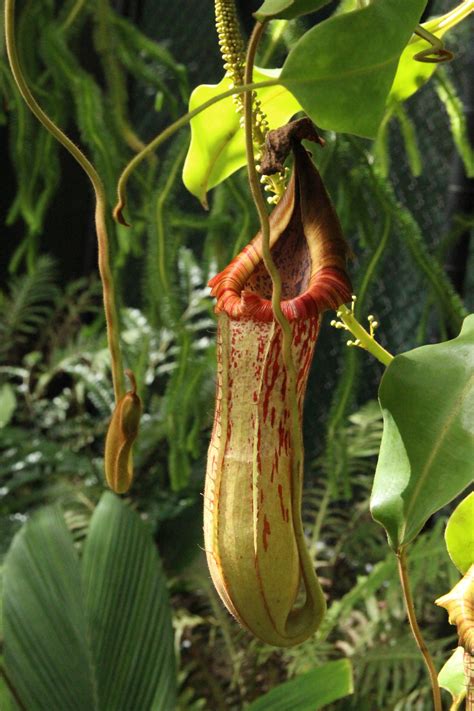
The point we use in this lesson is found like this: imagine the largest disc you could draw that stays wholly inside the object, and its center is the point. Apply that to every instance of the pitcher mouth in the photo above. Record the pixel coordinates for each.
(308, 248)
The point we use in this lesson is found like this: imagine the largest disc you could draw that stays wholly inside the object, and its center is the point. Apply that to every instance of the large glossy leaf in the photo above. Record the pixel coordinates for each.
(217, 147)
(287, 9)
(427, 400)
(92, 638)
(311, 691)
(47, 654)
(459, 534)
(412, 75)
(341, 71)
(128, 611)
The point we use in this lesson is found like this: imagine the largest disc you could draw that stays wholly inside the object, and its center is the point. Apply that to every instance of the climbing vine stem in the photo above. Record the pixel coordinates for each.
(106, 275)
(310, 581)
(410, 607)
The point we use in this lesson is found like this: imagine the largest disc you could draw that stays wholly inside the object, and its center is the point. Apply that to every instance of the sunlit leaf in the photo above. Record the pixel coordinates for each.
(451, 676)
(460, 534)
(341, 71)
(287, 9)
(411, 75)
(217, 146)
(425, 457)
(311, 691)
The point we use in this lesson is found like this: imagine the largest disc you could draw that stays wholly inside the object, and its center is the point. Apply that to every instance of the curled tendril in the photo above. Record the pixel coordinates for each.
(436, 53)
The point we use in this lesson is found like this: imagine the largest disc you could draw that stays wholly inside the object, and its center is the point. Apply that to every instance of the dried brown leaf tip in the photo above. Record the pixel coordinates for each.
(121, 435)
(279, 143)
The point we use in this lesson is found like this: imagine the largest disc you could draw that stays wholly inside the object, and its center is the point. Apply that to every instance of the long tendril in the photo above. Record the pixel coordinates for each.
(106, 276)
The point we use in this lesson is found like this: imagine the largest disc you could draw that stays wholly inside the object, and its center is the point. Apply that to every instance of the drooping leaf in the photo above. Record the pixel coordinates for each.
(459, 534)
(47, 653)
(411, 74)
(451, 676)
(426, 452)
(217, 147)
(127, 607)
(311, 691)
(287, 9)
(91, 635)
(341, 71)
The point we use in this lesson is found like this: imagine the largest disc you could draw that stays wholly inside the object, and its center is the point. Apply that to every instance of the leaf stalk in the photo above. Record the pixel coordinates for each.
(421, 644)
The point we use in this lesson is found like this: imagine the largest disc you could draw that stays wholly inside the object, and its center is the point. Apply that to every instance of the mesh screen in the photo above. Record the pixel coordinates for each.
(398, 297)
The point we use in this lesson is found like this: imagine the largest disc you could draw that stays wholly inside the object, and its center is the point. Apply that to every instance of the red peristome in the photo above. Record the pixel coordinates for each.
(308, 248)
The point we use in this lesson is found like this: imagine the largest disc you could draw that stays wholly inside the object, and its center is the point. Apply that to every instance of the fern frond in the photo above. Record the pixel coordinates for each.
(392, 675)
(27, 305)
(457, 119)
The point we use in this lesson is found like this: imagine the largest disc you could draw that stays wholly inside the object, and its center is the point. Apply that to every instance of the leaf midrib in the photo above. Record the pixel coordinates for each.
(343, 75)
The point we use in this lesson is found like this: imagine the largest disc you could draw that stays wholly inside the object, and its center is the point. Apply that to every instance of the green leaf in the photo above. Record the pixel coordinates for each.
(287, 9)
(128, 611)
(451, 676)
(90, 636)
(7, 404)
(47, 655)
(311, 691)
(6, 699)
(459, 534)
(425, 457)
(411, 74)
(217, 147)
(341, 71)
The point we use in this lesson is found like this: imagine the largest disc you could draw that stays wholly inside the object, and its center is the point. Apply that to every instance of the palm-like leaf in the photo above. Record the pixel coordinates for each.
(94, 634)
